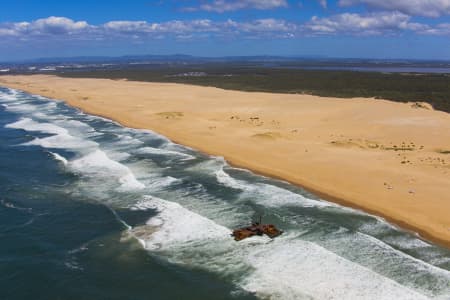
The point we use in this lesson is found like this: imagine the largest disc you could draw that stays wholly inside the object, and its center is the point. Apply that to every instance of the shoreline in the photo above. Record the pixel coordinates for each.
(422, 234)
(211, 128)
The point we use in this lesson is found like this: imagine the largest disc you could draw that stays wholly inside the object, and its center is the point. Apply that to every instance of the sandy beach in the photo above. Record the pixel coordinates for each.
(390, 159)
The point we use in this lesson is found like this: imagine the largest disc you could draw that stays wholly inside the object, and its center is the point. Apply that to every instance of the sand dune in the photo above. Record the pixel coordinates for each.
(388, 158)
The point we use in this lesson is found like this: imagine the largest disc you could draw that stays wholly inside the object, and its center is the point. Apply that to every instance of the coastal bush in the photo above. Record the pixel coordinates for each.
(401, 87)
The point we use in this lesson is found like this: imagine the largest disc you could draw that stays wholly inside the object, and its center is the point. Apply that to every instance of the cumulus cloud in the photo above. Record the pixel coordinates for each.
(369, 24)
(440, 29)
(380, 23)
(267, 25)
(59, 26)
(256, 28)
(48, 26)
(171, 27)
(5, 32)
(221, 6)
(377, 23)
(426, 8)
(126, 26)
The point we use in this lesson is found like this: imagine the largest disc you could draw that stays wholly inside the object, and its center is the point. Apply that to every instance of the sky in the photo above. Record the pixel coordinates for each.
(392, 29)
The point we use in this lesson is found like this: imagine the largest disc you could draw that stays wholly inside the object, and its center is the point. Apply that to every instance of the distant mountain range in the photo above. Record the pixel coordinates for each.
(180, 58)
(166, 58)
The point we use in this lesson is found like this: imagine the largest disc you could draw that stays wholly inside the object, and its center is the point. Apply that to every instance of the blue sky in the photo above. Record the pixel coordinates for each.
(333, 28)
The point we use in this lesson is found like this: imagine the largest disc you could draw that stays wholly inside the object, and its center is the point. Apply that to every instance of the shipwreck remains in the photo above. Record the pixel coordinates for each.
(256, 228)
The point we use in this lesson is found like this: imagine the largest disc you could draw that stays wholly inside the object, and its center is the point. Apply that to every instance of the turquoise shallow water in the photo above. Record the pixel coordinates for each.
(92, 210)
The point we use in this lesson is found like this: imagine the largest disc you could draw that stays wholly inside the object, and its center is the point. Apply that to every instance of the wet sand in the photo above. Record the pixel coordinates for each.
(391, 159)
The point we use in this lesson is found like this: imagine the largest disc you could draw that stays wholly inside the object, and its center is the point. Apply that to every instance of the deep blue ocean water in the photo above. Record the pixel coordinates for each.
(92, 210)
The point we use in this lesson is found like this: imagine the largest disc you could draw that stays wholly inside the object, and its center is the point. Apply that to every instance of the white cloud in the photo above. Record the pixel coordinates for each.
(58, 25)
(5, 32)
(426, 8)
(221, 6)
(60, 28)
(323, 3)
(175, 27)
(51, 26)
(126, 26)
(267, 25)
(356, 24)
(440, 29)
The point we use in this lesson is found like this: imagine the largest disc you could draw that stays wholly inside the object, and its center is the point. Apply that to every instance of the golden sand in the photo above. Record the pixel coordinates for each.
(391, 159)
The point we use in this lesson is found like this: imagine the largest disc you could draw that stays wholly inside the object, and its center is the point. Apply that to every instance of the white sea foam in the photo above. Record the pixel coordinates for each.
(21, 108)
(209, 166)
(92, 162)
(155, 136)
(285, 268)
(59, 158)
(118, 156)
(63, 141)
(75, 125)
(49, 105)
(159, 151)
(298, 269)
(97, 163)
(419, 265)
(177, 225)
(228, 181)
(266, 194)
(129, 182)
(407, 242)
(31, 125)
(11, 95)
(388, 261)
(158, 183)
(128, 140)
(44, 98)
(17, 104)
(148, 173)
(195, 197)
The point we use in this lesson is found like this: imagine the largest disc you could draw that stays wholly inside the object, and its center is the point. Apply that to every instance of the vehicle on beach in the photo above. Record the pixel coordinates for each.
(256, 228)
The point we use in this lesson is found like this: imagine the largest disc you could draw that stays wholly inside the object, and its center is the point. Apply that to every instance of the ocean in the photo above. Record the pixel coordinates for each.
(93, 210)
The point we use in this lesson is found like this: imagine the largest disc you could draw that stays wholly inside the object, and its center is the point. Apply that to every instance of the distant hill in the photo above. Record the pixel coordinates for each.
(183, 58)
(165, 58)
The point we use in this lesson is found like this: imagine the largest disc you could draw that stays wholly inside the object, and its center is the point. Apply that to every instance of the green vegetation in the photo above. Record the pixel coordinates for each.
(403, 87)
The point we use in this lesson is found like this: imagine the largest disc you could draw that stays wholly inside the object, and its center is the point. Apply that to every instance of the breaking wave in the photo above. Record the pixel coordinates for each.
(327, 252)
